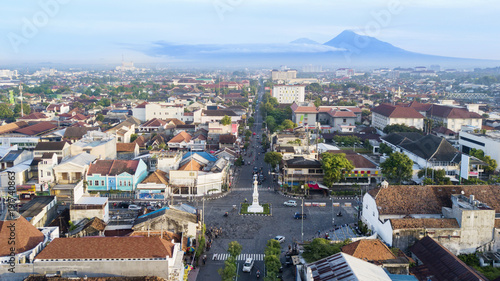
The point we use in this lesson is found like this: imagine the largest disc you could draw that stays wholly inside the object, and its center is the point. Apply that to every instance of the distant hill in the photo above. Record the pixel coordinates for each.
(348, 49)
(304, 41)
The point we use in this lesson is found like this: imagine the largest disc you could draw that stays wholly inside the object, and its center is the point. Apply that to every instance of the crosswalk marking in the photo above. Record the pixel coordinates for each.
(241, 257)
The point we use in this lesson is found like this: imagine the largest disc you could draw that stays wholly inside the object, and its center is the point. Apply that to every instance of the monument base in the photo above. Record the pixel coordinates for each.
(255, 209)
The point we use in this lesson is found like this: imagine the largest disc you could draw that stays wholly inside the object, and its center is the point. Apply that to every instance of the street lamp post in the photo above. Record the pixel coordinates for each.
(302, 227)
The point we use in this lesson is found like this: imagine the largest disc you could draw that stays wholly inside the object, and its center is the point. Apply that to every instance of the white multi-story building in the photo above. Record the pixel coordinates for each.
(387, 114)
(489, 142)
(344, 72)
(289, 93)
(147, 111)
(454, 118)
(283, 75)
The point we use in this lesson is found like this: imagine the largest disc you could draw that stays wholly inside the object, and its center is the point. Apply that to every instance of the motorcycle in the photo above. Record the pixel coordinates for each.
(257, 273)
(226, 214)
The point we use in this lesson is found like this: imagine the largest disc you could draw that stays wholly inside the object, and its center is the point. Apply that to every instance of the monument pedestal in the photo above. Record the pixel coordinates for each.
(255, 207)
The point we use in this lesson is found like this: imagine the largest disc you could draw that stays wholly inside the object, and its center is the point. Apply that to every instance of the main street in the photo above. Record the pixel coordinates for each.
(253, 231)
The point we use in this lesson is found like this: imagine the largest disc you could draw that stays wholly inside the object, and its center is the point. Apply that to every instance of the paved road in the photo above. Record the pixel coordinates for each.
(252, 232)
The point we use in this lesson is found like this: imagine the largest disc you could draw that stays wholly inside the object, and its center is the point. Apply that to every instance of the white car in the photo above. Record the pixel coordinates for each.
(134, 207)
(291, 203)
(248, 265)
(280, 238)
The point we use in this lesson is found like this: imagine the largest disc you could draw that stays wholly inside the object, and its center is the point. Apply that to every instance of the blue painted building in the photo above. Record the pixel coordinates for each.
(123, 175)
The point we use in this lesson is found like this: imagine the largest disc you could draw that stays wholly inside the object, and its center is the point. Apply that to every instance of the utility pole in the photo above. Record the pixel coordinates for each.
(21, 94)
(302, 227)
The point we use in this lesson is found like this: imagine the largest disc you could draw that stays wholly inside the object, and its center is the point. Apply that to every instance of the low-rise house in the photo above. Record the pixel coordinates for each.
(72, 170)
(180, 141)
(227, 154)
(227, 141)
(124, 130)
(488, 142)
(376, 252)
(101, 145)
(208, 116)
(90, 207)
(74, 134)
(156, 182)
(14, 158)
(46, 168)
(454, 118)
(40, 211)
(175, 220)
(127, 151)
(123, 175)
(426, 151)
(60, 148)
(153, 125)
(122, 256)
(58, 108)
(164, 160)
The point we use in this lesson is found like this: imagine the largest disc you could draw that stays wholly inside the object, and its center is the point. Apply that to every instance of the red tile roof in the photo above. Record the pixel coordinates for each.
(113, 167)
(452, 112)
(392, 111)
(369, 250)
(142, 105)
(157, 176)
(107, 248)
(36, 129)
(180, 137)
(411, 223)
(34, 115)
(26, 239)
(192, 165)
(125, 147)
(155, 122)
(12, 127)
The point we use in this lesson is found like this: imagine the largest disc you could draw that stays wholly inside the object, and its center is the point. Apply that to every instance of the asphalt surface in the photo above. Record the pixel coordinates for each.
(253, 231)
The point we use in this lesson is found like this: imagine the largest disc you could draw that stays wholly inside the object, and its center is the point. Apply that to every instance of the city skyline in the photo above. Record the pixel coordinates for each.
(97, 32)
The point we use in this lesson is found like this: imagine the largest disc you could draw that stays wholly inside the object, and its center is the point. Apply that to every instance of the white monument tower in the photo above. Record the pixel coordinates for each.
(255, 207)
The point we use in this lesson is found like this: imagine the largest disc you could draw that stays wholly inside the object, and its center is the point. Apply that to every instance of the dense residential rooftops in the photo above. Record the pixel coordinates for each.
(220, 112)
(35, 206)
(125, 147)
(107, 248)
(7, 128)
(157, 176)
(34, 116)
(181, 137)
(78, 132)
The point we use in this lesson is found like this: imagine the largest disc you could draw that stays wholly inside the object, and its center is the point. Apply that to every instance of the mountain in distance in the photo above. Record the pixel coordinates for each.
(304, 41)
(348, 49)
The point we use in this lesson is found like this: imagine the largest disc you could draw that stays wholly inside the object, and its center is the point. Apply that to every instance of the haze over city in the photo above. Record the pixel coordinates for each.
(101, 32)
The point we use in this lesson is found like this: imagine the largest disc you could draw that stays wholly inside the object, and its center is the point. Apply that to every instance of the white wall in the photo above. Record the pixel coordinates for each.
(370, 216)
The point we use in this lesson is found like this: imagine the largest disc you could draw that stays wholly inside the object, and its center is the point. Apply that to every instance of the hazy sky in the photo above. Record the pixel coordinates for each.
(103, 31)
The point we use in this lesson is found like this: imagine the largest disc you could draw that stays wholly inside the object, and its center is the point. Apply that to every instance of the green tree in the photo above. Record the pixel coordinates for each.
(228, 272)
(226, 120)
(100, 117)
(5, 111)
(234, 249)
(384, 148)
(434, 176)
(491, 163)
(317, 102)
(397, 168)
(238, 161)
(133, 137)
(273, 158)
(272, 259)
(400, 128)
(334, 166)
(104, 102)
(321, 248)
(26, 109)
(287, 124)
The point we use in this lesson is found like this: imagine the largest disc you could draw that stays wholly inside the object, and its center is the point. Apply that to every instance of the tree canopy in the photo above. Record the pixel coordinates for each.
(226, 120)
(397, 168)
(334, 166)
(273, 158)
(491, 163)
(321, 248)
(400, 128)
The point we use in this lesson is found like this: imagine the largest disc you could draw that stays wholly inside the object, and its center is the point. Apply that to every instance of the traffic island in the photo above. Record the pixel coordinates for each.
(266, 212)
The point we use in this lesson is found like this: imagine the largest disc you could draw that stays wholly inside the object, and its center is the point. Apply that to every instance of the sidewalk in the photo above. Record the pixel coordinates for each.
(193, 274)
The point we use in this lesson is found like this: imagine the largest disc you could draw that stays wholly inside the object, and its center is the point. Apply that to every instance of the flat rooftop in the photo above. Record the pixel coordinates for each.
(35, 206)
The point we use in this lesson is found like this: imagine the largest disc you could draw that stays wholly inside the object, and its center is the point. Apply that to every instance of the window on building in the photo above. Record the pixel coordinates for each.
(102, 183)
(49, 174)
(344, 120)
(129, 183)
(96, 183)
(120, 183)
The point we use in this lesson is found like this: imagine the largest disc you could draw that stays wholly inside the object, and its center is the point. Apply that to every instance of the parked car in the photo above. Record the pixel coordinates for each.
(298, 216)
(280, 238)
(291, 203)
(248, 265)
(134, 207)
